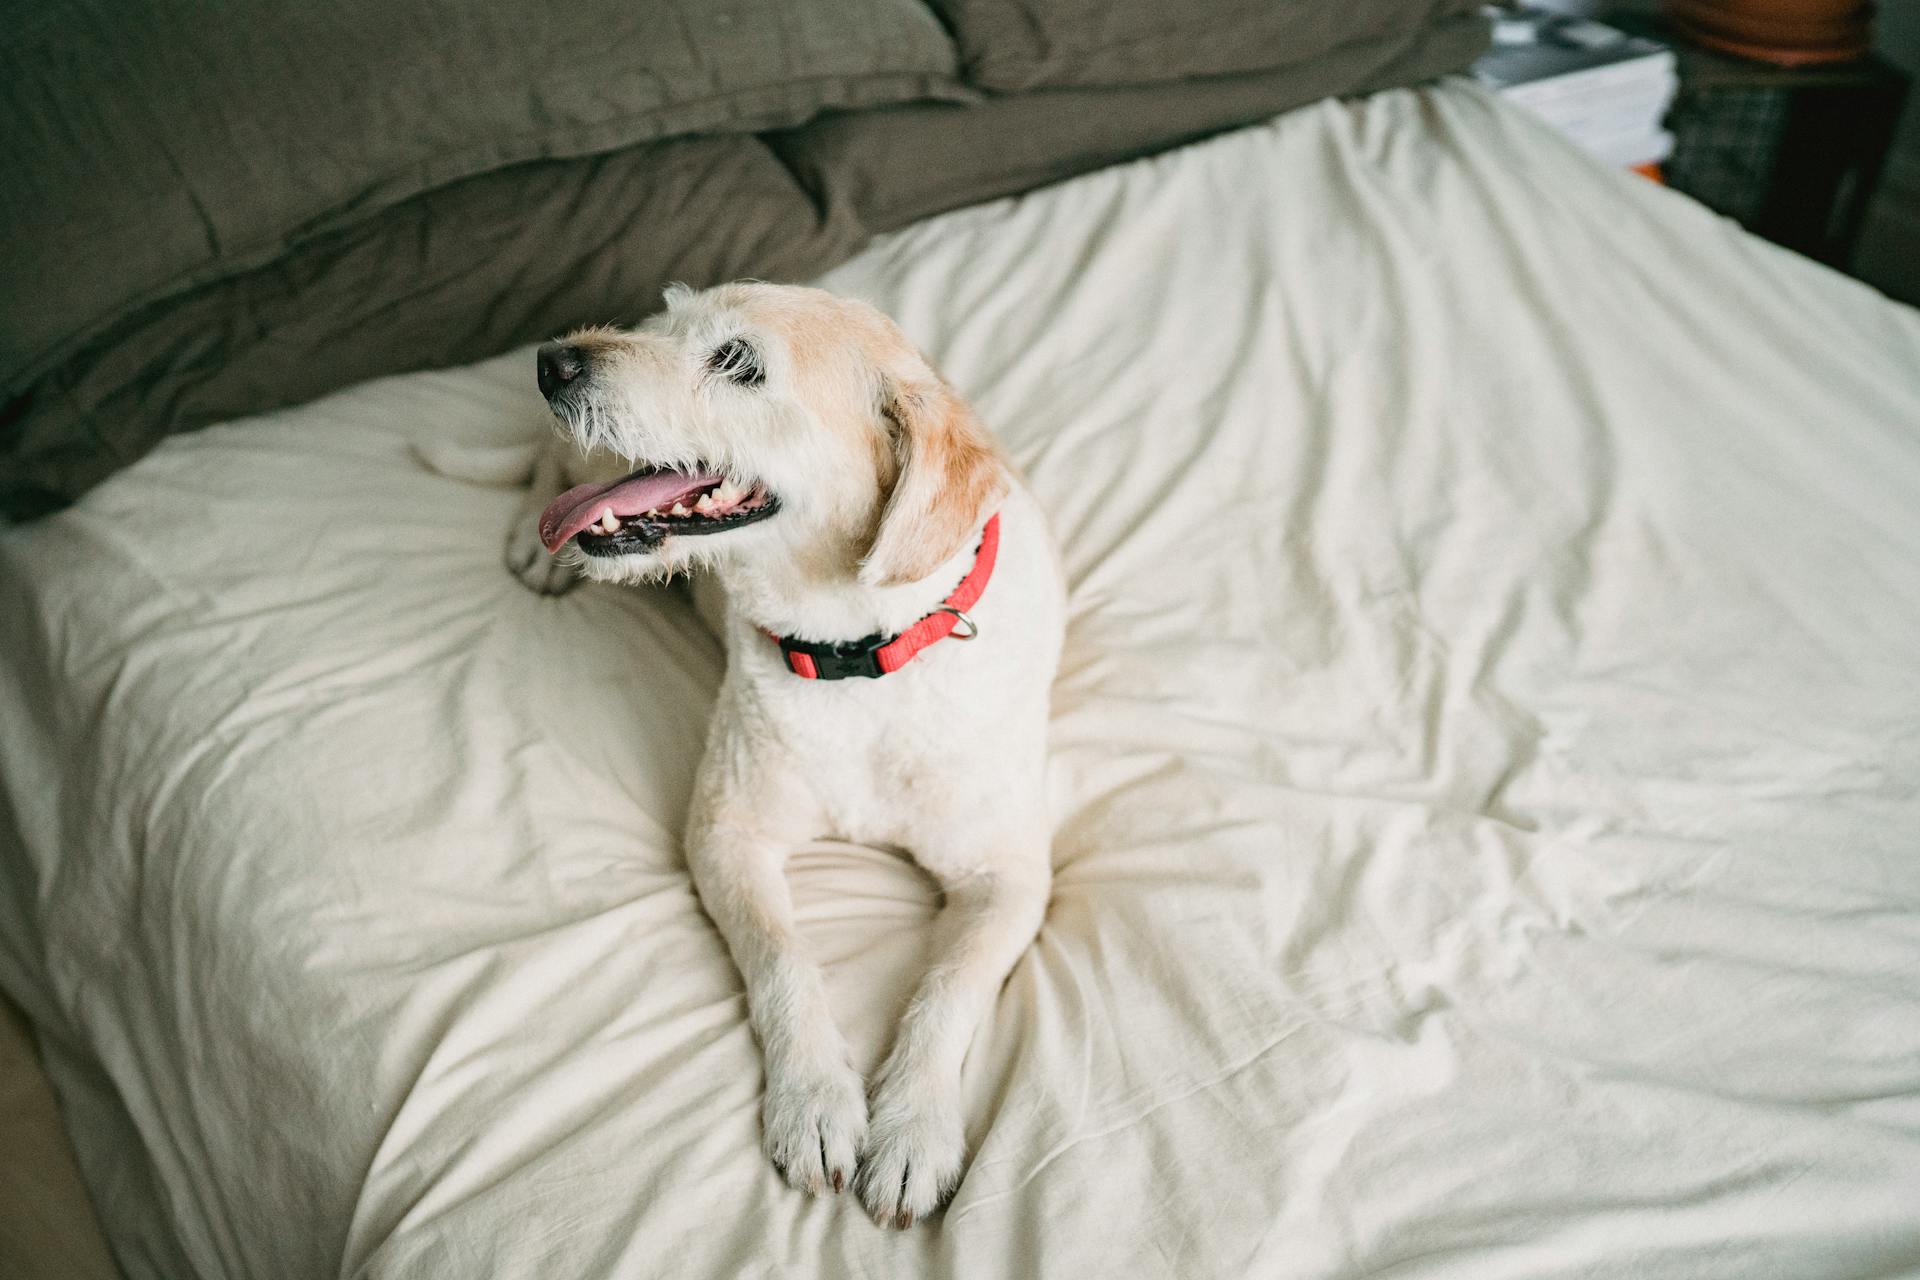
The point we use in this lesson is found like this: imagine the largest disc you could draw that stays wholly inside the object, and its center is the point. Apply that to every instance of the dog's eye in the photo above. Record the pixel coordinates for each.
(738, 361)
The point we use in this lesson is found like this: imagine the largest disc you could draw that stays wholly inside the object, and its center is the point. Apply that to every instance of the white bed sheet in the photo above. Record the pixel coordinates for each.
(1485, 757)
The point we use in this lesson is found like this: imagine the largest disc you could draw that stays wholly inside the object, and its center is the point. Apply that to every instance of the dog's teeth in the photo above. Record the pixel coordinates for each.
(679, 509)
(704, 503)
(609, 522)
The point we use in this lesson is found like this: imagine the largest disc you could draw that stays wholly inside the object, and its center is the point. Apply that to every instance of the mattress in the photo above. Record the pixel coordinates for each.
(1485, 765)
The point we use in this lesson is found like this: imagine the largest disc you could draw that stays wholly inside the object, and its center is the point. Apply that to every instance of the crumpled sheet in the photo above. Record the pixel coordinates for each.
(1485, 760)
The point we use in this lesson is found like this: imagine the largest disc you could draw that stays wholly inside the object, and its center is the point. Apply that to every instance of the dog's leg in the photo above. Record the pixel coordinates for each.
(527, 558)
(815, 1109)
(915, 1138)
(504, 464)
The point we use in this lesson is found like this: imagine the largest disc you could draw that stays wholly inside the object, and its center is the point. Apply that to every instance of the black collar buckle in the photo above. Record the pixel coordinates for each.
(839, 661)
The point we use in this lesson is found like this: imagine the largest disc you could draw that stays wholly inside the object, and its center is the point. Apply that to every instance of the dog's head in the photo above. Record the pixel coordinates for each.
(763, 420)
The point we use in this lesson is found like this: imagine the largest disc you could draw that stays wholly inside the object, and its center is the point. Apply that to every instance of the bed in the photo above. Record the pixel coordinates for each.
(1486, 765)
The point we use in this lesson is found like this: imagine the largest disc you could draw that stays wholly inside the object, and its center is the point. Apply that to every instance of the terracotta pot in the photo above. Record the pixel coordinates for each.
(1787, 32)
(1795, 35)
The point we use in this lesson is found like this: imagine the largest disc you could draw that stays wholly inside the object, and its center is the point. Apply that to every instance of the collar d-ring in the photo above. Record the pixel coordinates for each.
(961, 619)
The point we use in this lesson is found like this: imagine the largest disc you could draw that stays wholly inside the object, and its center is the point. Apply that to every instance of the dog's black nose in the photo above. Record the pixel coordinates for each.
(559, 364)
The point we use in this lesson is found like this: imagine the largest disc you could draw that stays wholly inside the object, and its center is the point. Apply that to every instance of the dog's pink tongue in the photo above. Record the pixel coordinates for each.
(639, 493)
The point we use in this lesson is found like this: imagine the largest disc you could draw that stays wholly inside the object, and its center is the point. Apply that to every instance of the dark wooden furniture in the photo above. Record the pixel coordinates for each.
(1792, 154)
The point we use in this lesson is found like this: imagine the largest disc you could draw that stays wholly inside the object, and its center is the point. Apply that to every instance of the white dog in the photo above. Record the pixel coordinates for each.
(893, 614)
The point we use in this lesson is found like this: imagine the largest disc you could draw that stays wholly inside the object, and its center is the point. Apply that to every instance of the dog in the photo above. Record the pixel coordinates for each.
(892, 610)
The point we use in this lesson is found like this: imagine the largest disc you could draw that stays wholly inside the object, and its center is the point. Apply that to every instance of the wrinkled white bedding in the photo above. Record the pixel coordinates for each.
(1486, 761)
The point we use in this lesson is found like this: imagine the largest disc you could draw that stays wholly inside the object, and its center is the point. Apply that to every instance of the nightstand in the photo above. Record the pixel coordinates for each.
(1792, 154)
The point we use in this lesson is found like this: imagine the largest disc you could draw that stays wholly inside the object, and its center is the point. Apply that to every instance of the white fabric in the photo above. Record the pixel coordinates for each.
(1485, 760)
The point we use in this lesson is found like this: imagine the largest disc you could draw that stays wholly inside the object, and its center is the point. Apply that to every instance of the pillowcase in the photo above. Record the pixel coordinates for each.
(454, 274)
(156, 145)
(886, 167)
(1010, 45)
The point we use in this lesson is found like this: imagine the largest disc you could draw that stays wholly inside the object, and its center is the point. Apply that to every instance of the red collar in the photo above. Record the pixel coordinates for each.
(879, 655)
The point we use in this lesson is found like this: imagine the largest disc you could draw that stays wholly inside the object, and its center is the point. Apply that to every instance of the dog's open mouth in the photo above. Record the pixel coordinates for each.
(643, 510)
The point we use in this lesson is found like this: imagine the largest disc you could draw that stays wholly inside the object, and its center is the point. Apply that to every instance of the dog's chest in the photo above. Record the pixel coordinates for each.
(905, 760)
(945, 754)
(883, 762)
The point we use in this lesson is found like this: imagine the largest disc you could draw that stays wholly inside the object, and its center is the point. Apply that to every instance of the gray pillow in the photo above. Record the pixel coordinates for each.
(885, 167)
(1010, 45)
(153, 145)
(453, 274)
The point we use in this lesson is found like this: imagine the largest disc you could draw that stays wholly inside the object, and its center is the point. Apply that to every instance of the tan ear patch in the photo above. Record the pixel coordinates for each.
(950, 474)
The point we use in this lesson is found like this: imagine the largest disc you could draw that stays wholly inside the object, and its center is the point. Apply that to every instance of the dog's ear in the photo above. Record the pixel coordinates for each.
(949, 473)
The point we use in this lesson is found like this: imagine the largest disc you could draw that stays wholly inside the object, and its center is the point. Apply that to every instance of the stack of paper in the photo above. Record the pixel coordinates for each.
(1605, 89)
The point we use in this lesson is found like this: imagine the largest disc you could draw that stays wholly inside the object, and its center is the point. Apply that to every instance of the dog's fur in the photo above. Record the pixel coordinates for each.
(884, 480)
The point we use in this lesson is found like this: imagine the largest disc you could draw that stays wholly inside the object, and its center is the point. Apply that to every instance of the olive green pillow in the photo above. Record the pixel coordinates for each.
(888, 166)
(1012, 45)
(149, 146)
(451, 275)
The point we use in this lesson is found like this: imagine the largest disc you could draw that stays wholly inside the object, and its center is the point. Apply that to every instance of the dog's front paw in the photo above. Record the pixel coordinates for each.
(815, 1119)
(915, 1144)
(527, 560)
